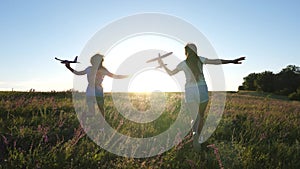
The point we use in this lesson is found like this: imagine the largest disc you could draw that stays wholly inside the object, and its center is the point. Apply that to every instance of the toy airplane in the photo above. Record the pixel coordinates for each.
(162, 56)
(160, 66)
(67, 61)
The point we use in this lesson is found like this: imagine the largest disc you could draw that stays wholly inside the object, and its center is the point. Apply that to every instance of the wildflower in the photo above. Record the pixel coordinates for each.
(263, 136)
(216, 151)
(5, 140)
(45, 137)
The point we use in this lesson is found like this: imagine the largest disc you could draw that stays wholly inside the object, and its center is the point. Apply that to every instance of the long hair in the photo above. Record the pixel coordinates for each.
(193, 60)
(97, 60)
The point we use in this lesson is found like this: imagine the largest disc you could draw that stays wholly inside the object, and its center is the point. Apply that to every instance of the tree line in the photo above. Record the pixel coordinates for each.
(286, 82)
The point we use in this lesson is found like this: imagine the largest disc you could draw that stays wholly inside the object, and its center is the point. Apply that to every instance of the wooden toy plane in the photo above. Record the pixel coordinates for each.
(162, 56)
(160, 66)
(67, 61)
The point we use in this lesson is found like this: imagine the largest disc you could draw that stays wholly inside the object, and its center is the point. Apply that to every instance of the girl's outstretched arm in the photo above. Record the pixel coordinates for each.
(115, 76)
(118, 76)
(222, 61)
(170, 72)
(74, 71)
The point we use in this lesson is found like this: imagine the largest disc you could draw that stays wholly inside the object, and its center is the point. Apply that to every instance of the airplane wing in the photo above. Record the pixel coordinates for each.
(162, 56)
(67, 61)
(58, 59)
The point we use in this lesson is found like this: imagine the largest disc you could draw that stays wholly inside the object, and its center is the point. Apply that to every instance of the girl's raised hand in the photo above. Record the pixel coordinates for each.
(237, 61)
(159, 60)
(67, 64)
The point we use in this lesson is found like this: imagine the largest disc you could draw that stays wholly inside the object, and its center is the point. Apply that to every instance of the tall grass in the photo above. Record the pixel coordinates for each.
(41, 130)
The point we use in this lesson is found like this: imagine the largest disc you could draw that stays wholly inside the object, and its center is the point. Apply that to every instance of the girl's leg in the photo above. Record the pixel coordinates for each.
(100, 99)
(199, 122)
(200, 117)
(100, 103)
(198, 125)
(90, 111)
(91, 107)
(192, 108)
(203, 93)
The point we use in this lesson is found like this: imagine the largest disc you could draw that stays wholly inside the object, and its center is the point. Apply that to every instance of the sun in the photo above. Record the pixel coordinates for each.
(152, 80)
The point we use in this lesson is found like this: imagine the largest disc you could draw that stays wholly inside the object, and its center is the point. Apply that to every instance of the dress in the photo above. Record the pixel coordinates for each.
(194, 91)
(94, 88)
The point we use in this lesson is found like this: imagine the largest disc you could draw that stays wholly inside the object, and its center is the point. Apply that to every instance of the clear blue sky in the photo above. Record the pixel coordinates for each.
(34, 32)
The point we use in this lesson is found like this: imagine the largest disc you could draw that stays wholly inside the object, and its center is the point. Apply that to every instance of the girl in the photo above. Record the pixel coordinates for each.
(195, 82)
(95, 75)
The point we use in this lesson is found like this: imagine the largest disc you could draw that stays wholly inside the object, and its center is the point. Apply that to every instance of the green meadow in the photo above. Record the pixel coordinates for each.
(41, 130)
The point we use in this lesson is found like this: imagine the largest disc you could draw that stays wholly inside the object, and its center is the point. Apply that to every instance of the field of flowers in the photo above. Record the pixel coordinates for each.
(41, 130)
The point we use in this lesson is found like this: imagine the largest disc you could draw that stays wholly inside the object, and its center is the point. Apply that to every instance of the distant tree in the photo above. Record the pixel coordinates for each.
(249, 81)
(291, 67)
(241, 88)
(265, 81)
(286, 82)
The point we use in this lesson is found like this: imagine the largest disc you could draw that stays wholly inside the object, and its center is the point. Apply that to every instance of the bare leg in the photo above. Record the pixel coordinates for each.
(202, 108)
(91, 108)
(198, 125)
(100, 103)
(193, 108)
(90, 111)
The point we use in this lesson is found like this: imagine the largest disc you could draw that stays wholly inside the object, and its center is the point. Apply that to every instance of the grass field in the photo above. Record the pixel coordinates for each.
(41, 130)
